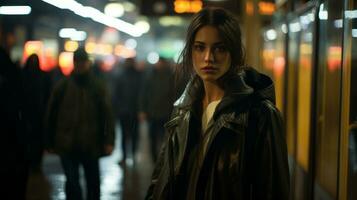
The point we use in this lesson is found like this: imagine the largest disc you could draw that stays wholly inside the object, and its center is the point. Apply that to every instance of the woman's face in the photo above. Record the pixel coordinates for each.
(210, 57)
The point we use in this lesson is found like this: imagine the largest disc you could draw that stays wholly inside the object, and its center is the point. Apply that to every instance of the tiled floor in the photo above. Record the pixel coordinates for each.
(117, 182)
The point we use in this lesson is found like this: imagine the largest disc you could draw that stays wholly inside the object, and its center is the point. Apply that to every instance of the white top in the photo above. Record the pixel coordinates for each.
(208, 114)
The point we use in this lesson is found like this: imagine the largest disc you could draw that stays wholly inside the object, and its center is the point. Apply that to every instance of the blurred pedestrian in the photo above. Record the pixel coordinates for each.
(13, 147)
(80, 127)
(156, 102)
(97, 69)
(37, 91)
(126, 102)
(225, 137)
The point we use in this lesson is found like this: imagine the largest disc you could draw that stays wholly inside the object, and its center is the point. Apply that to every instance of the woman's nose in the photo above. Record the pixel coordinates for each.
(209, 57)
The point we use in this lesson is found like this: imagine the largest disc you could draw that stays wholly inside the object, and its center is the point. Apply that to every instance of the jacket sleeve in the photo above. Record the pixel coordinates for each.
(270, 177)
(160, 165)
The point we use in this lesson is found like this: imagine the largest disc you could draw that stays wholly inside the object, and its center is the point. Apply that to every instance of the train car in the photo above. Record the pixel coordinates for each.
(311, 54)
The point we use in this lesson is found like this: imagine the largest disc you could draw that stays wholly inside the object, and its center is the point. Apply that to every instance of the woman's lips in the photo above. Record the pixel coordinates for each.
(209, 69)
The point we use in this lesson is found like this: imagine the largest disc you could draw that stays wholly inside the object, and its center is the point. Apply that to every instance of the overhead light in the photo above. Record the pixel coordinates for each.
(71, 46)
(153, 57)
(271, 34)
(170, 21)
(79, 36)
(128, 7)
(73, 34)
(143, 26)
(67, 32)
(15, 10)
(114, 9)
(90, 47)
(131, 43)
(96, 15)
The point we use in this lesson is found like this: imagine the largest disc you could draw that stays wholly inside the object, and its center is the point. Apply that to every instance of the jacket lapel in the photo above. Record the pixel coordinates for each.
(179, 139)
(228, 121)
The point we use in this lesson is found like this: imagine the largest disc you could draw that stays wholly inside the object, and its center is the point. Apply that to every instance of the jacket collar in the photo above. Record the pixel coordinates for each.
(238, 91)
(248, 82)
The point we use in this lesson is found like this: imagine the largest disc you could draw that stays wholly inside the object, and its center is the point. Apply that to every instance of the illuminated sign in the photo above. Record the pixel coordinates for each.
(266, 8)
(187, 6)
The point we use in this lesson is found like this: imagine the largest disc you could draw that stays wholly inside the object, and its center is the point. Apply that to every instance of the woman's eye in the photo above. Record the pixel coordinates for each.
(220, 49)
(198, 47)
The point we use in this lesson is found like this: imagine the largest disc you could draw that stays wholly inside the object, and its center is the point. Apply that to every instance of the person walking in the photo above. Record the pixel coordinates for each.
(126, 100)
(14, 169)
(36, 84)
(80, 127)
(156, 103)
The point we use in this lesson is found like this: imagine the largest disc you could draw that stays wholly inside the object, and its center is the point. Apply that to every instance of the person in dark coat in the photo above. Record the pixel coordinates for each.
(225, 137)
(13, 148)
(156, 103)
(126, 102)
(80, 127)
(37, 91)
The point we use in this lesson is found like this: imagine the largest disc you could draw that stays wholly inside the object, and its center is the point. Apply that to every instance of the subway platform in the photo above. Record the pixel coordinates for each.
(117, 182)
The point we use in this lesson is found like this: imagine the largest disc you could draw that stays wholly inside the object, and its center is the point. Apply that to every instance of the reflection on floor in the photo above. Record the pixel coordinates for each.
(117, 182)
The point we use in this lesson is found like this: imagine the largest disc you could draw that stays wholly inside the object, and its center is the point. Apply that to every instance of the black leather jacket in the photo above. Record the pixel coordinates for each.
(241, 156)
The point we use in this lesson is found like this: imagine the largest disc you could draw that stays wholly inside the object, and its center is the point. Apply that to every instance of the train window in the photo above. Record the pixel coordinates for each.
(304, 86)
(279, 66)
(351, 20)
(328, 99)
(351, 17)
(304, 27)
(268, 52)
(294, 29)
(273, 55)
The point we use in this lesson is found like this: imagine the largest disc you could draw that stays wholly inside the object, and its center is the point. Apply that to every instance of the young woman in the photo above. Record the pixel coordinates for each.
(225, 137)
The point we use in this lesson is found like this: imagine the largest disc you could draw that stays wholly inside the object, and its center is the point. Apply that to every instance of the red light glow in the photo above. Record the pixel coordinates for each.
(108, 63)
(334, 58)
(46, 55)
(279, 66)
(66, 62)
